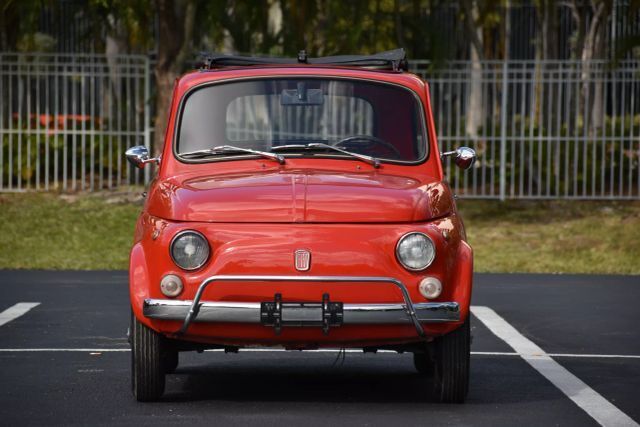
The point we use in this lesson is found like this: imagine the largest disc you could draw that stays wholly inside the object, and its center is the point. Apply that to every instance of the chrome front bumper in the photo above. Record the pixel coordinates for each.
(406, 312)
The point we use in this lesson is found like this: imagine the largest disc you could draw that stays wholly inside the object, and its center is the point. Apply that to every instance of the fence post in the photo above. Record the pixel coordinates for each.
(503, 132)
(147, 113)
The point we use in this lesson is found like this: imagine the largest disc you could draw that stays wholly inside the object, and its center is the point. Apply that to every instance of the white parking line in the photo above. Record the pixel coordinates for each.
(596, 356)
(16, 311)
(599, 408)
(568, 355)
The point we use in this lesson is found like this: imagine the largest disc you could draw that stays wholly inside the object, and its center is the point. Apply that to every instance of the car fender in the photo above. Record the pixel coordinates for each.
(138, 281)
(464, 279)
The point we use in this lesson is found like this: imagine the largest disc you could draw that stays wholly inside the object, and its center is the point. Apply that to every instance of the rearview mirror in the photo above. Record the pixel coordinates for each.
(138, 156)
(464, 157)
(301, 96)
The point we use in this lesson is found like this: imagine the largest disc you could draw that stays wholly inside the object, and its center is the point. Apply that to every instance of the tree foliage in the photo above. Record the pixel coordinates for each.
(434, 29)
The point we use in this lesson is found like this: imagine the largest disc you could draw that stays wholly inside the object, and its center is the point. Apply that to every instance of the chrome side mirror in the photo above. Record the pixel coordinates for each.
(464, 158)
(138, 156)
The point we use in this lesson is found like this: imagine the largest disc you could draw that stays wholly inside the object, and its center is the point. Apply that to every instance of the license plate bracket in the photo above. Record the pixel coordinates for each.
(325, 314)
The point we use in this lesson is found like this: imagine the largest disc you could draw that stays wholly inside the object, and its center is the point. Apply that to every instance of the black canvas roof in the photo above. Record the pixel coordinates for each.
(394, 60)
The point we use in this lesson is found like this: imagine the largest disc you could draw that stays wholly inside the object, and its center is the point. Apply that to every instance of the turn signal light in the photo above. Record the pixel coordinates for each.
(171, 285)
(430, 287)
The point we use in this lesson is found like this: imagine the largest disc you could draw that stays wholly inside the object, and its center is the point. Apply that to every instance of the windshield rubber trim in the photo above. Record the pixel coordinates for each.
(190, 91)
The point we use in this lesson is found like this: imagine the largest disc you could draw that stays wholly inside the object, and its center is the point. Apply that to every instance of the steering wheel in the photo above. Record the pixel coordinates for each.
(366, 143)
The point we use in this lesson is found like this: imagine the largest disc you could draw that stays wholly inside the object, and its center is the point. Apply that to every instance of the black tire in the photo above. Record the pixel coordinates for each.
(423, 363)
(451, 373)
(170, 360)
(147, 367)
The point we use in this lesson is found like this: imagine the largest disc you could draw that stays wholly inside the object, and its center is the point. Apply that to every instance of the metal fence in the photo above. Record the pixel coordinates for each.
(554, 129)
(66, 120)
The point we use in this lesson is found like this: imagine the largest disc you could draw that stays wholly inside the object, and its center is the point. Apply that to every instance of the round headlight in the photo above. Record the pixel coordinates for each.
(189, 250)
(415, 251)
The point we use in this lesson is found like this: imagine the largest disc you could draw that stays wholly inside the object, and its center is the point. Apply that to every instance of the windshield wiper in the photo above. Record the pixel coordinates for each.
(315, 145)
(229, 149)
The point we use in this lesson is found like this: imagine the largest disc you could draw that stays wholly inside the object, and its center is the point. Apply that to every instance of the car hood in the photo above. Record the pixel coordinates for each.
(300, 196)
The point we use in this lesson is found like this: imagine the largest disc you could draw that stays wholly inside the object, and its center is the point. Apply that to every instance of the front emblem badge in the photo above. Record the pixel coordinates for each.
(302, 259)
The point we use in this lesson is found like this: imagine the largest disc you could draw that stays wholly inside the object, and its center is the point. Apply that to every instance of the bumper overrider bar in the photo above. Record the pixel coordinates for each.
(252, 312)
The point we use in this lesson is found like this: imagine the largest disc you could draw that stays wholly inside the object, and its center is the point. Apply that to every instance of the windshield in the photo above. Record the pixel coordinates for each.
(298, 116)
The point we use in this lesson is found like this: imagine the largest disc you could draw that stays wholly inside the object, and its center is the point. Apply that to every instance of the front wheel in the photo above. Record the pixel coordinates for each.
(451, 365)
(147, 362)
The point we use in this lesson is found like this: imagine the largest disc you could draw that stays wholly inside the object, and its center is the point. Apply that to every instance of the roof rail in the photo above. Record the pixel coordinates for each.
(395, 60)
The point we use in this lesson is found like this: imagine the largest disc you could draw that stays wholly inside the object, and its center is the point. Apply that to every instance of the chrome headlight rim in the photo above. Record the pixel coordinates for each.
(182, 233)
(430, 261)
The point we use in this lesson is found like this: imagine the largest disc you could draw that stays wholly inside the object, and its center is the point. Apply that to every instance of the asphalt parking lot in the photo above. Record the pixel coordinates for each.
(547, 350)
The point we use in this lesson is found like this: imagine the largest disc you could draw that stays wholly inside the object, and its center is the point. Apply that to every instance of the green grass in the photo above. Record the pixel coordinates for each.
(554, 236)
(46, 231)
(50, 231)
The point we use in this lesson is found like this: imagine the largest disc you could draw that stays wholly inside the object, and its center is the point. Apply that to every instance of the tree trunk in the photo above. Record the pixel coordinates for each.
(274, 27)
(175, 31)
(597, 46)
(546, 49)
(590, 19)
(547, 28)
(115, 44)
(475, 110)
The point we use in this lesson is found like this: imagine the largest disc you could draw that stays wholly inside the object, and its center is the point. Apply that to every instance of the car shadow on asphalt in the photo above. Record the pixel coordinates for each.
(384, 378)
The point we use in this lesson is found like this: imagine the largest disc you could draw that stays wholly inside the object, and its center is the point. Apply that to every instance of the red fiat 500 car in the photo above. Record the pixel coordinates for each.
(301, 204)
